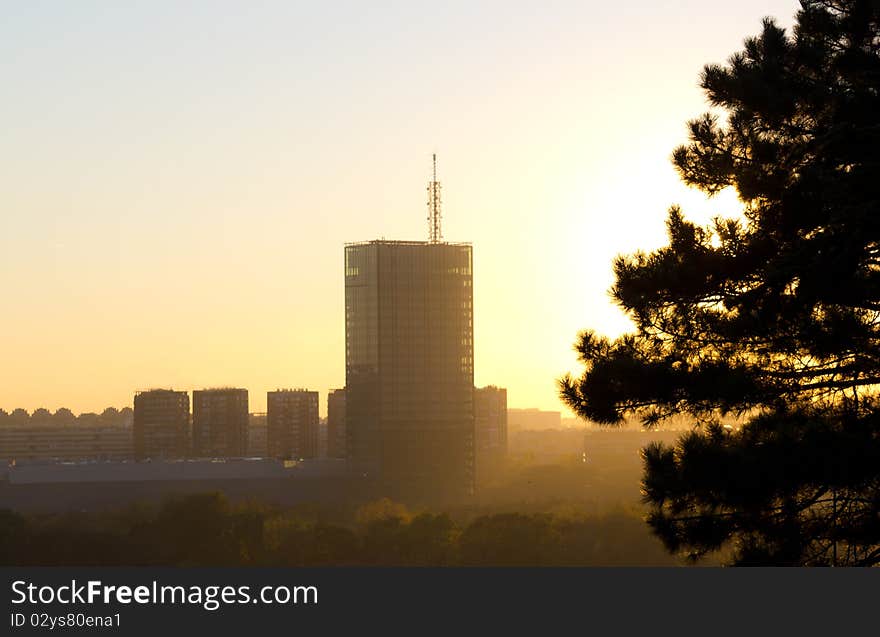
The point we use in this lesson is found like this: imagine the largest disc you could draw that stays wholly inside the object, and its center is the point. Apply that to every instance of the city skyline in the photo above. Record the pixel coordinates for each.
(141, 181)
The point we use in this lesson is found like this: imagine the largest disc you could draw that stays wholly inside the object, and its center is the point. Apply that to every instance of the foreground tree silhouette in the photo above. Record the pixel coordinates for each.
(774, 319)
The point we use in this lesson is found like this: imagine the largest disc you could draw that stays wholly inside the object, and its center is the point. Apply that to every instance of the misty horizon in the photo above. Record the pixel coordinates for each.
(145, 184)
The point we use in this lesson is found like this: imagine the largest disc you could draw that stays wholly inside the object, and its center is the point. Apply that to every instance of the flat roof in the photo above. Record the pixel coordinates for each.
(407, 243)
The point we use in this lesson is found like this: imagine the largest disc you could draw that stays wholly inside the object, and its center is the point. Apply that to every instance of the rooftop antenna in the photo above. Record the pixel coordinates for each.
(435, 234)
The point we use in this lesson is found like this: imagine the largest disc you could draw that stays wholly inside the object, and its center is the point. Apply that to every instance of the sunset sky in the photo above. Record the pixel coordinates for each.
(178, 179)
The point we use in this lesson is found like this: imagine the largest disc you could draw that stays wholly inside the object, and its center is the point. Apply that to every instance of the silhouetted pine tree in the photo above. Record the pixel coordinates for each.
(774, 319)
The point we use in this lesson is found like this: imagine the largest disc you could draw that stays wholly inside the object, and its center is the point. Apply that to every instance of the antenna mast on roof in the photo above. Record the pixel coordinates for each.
(435, 234)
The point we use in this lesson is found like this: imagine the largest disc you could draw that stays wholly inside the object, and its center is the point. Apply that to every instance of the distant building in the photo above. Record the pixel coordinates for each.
(220, 423)
(533, 419)
(48, 441)
(292, 423)
(490, 430)
(336, 424)
(161, 424)
(258, 446)
(126, 417)
(322, 438)
(409, 364)
(575, 423)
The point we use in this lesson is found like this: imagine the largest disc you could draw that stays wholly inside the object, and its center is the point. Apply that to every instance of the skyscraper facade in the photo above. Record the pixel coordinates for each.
(292, 423)
(220, 423)
(409, 363)
(336, 424)
(161, 424)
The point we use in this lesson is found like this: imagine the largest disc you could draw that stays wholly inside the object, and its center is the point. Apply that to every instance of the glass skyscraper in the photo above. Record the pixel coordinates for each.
(409, 352)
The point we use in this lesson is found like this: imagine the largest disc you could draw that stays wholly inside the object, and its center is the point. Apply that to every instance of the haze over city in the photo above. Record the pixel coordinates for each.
(470, 284)
(178, 184)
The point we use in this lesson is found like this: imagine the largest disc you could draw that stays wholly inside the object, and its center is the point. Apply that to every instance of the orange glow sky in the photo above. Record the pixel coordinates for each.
(178, 179)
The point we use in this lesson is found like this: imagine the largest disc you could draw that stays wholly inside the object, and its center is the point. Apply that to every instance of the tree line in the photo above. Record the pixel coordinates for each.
(208, 530)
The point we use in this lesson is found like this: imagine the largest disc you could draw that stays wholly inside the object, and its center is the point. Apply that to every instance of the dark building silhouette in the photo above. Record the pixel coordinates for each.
(322, 438)
(490, 427)
(161, 424)
(220, 423)
(71, 442)
(409, 363)
(257, 436)
(292, 423)
(336, 424)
